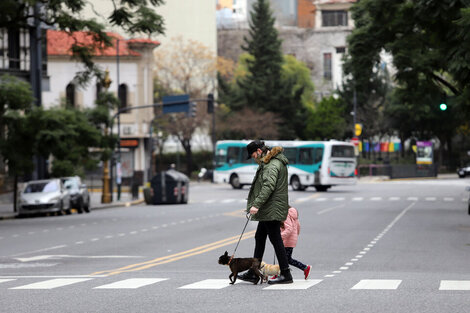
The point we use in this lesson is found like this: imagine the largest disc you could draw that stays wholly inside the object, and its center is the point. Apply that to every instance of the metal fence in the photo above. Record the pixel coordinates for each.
(398, 171)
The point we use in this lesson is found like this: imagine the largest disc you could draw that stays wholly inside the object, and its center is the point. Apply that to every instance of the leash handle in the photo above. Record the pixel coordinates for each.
(248, 218)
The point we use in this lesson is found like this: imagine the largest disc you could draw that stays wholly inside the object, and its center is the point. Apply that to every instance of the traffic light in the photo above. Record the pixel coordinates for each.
(443, 104)
(192, 109)
(210, 103)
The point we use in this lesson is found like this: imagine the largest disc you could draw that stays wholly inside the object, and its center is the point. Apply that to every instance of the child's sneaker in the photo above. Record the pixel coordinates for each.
(273, 277)
(307, 271)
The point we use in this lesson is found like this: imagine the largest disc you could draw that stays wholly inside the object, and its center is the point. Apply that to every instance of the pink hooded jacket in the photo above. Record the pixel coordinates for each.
(291, 230)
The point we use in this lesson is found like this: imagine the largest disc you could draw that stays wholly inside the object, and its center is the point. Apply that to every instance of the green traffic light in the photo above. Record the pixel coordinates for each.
(443, 106)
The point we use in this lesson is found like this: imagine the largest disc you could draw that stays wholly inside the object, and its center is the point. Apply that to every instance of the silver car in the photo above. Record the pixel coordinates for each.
(79, 195)
(42, 196)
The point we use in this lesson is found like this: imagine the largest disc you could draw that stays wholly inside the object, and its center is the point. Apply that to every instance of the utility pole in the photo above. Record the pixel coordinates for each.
(106, 196)
(118, 165)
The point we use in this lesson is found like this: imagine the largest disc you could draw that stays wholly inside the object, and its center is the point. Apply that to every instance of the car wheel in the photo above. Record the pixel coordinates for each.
(296, 185)
(461, 175)
(80, 206)
(86, 206)
(321, 188)
(235, 182)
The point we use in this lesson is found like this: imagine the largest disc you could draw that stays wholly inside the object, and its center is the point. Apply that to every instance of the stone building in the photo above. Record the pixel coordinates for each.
(313, 31)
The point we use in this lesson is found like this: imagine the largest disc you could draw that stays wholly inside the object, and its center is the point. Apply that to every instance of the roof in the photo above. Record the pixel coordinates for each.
(60, 43)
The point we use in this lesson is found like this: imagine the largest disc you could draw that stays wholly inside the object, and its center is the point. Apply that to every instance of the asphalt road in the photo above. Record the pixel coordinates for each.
(401, 246)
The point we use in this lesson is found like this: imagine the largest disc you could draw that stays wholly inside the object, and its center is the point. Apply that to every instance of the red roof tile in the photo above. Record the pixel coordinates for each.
(60, 42)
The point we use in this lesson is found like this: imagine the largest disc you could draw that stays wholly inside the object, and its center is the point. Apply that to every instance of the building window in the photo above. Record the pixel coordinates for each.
(122, 95)
(340, 49)
(327, 66)
(70, 95)
(334, 18)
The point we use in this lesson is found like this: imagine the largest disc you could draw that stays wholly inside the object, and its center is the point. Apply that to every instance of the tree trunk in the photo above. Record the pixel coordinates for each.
(15, 193)
(189, 156)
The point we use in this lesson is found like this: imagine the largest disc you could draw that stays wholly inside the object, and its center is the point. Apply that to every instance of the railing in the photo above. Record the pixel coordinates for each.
(397, 170)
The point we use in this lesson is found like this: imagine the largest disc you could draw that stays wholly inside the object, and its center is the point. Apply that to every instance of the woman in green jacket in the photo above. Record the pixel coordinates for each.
(268, 204)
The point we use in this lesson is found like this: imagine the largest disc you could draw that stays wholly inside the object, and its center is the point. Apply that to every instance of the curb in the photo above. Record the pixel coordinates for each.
(108, 206)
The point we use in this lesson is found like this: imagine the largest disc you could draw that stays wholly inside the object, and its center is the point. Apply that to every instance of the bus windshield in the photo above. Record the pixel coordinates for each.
(340, 151)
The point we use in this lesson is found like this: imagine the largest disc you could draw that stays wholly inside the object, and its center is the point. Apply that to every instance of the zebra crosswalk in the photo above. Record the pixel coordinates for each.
(214, 284)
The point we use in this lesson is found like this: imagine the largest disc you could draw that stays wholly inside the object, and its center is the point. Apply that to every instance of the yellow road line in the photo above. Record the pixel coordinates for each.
(176, 256)
(237, 213)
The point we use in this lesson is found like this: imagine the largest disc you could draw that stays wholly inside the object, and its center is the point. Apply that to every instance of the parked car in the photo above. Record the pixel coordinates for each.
(43, 196)
(79, 195)
(468, 189)
(464, 171)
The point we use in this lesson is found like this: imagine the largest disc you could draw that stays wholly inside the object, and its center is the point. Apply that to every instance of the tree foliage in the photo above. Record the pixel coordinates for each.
(327, 121)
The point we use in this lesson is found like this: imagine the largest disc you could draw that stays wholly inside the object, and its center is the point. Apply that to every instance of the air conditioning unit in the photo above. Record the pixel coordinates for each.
(127, 130)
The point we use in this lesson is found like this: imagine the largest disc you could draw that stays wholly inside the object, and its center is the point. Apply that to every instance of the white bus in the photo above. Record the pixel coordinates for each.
(320, 164)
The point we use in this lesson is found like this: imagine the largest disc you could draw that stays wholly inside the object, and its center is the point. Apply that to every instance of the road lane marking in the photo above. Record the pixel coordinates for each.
(63, 256)
(454, 285)
(299, 284)
(176, 256)
(394, 198)
(357, 199)
(131, 283)
(430, 199)
(376, 199)
(300, 200)
(40, 250)
(329, 209)
(53, 283)
(209, 284)
(412, 198)
(5, 280)
(448, 199)
(377, 284)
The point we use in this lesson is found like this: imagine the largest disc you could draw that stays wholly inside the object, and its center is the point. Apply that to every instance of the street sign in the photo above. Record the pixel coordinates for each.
(175, 104)
(355, 141)
(358, 129)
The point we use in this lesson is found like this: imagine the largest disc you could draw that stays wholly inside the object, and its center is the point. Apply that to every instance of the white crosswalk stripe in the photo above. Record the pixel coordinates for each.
(131, 283)
(376, 284)
(211, 284)
(208, 284)
(454, 285)
(297, 285)
(53, 283)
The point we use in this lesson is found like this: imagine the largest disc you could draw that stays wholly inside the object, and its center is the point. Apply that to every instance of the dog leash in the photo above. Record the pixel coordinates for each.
(248, 218)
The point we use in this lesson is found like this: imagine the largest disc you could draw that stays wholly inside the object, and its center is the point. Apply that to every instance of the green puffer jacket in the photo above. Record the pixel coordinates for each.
(268, 190)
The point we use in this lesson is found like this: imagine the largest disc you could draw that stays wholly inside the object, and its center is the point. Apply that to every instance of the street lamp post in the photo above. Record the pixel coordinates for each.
(106, 196)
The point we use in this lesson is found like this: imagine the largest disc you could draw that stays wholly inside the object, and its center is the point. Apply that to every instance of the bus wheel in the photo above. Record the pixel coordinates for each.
(235, 182)
(296, 185)
(321, 188)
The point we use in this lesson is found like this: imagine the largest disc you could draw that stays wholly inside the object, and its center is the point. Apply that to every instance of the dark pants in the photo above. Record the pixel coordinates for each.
(292, 261)
(273, 230)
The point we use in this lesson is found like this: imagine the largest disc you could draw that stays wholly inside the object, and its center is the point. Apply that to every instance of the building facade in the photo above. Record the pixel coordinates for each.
(314, 32)
(130, 63)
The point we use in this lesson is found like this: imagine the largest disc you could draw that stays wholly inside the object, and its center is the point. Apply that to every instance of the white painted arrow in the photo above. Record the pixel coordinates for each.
(62, 256)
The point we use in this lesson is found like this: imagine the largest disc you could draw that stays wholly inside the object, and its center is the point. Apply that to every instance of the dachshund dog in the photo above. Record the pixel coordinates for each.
(239, 265)
(269, 270)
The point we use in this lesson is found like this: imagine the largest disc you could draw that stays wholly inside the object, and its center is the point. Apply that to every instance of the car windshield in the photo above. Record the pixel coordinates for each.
(42, 187)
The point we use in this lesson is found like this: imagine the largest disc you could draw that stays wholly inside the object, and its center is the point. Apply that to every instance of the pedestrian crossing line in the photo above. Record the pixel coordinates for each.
(357, 199)
(376, 199)
(377, 284)
(454, 285)
(131, 283)
(394, 198)
(209, 284)
(228, 200)
(53, 283)
(299, 284)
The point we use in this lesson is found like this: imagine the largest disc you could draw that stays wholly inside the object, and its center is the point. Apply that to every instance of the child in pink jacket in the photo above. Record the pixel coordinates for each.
(290, 230)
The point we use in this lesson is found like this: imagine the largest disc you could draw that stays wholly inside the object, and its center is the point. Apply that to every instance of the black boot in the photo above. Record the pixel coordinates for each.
(248, 276)
(284, 278)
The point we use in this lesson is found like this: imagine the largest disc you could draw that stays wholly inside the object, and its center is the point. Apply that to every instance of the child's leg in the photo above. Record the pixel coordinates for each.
(294, 262)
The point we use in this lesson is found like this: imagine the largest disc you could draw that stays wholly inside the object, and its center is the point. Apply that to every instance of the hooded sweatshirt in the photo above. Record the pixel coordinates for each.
(291, 230)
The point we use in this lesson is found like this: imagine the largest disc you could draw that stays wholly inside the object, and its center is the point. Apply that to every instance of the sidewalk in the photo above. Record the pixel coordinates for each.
(6, 203)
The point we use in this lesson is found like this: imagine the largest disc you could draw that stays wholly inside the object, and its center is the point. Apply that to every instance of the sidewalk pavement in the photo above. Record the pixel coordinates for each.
(7, 210)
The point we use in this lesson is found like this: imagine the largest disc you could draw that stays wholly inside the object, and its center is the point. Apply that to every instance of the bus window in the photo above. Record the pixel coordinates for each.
(245, 159)
(220, 157)
(342, 151)
(318, 155)
(233, 155)
(306, 155)
(291, 155)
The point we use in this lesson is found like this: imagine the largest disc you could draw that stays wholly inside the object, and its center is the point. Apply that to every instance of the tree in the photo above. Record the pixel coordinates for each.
(326, 121)
(429, 41)
(296, 96)
(133, 16)
(261, 87)
(185, 67)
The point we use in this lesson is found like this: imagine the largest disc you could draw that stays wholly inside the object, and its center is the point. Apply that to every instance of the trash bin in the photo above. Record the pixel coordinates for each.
(170, 187)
